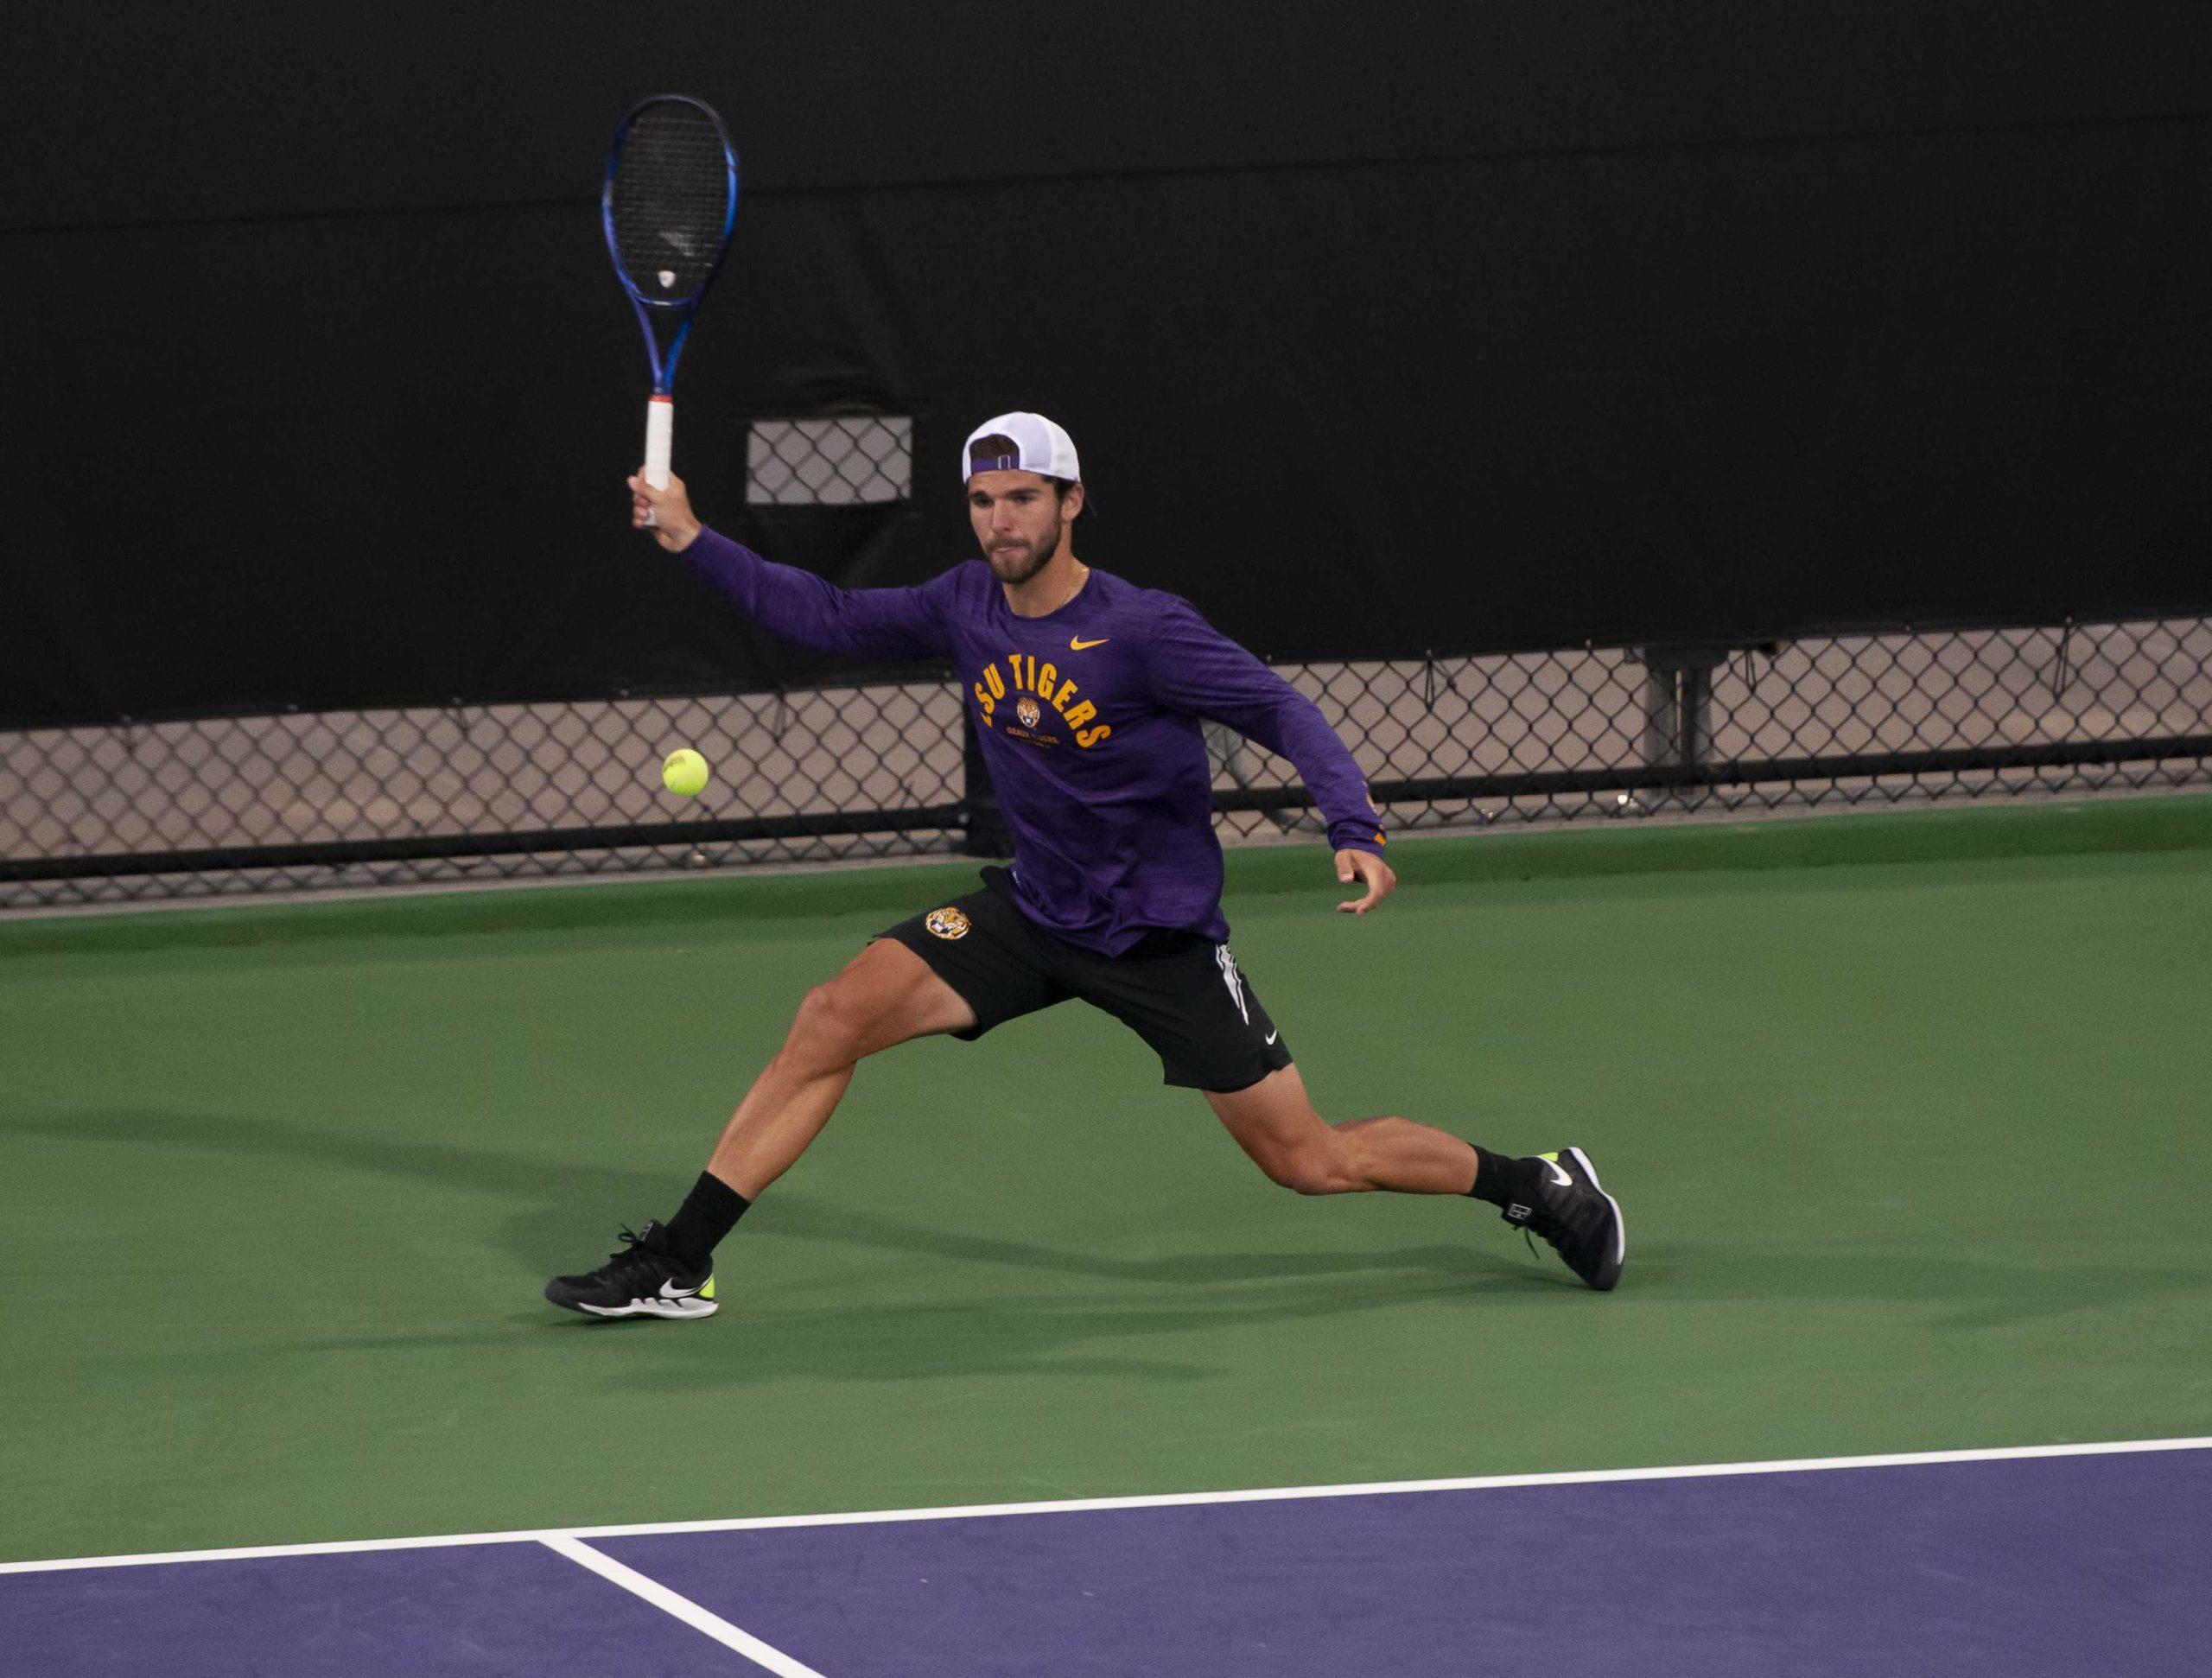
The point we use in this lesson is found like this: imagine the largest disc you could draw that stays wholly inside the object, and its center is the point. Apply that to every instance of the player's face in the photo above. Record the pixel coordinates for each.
(1019, 521)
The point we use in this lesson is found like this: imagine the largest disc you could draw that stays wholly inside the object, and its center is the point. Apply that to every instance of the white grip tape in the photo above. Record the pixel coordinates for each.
(660, 437)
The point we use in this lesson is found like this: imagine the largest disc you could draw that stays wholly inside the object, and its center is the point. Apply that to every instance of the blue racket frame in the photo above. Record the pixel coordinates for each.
(664, 371)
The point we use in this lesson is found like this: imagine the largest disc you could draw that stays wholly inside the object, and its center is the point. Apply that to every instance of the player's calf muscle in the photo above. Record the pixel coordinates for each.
(1395, 1153)
(1357, 1155)
(1345, 1162)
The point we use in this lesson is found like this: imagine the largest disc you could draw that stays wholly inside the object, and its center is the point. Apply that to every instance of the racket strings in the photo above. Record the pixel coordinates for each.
(670, 203)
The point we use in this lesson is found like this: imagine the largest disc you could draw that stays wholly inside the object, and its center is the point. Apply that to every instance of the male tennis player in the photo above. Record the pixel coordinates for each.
(1087, 694)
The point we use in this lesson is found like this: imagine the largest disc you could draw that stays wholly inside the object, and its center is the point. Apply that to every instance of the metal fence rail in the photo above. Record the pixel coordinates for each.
(311, 801)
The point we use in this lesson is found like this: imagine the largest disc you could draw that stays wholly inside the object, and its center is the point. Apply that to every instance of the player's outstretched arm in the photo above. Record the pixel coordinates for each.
(889, 624)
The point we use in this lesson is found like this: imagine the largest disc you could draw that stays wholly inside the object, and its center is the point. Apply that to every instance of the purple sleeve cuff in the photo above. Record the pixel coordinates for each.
(1363, 835)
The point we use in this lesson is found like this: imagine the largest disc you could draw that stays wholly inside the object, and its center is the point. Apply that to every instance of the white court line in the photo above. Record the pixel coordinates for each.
(682, 1608)
(1159, 1500)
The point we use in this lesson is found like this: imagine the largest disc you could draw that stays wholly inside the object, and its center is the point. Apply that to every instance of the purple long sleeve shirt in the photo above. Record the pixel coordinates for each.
(1089, 718)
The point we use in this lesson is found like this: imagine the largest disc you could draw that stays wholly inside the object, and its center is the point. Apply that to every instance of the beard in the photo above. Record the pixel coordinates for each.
(1017, 565)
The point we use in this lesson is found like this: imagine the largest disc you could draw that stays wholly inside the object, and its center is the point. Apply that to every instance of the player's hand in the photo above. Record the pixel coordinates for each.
(674, 525)
(1366, 866)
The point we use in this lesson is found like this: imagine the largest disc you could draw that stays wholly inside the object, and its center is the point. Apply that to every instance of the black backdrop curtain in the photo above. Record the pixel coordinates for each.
(1455, 328)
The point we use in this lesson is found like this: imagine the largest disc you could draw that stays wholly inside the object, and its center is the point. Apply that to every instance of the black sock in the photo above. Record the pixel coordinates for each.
(708, 1212)
(1505, 1181)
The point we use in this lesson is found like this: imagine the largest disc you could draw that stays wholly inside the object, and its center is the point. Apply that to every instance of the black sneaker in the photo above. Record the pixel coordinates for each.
(1578, 1218)
(643, 1280)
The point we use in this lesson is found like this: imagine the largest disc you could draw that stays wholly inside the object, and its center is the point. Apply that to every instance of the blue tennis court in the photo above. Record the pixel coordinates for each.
(2049, 1563)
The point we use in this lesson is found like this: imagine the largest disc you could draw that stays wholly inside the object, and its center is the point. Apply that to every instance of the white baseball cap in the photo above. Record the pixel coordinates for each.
(1039, 446)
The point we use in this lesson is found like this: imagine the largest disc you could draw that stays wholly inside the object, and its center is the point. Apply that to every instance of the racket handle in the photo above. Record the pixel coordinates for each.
(660, 436)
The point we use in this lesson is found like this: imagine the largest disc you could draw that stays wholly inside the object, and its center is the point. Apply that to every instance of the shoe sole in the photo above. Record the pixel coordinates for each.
(1620, 1224)
(669, 1308)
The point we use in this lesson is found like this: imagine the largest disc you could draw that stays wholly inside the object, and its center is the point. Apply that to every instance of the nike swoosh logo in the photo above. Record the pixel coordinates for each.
(1559, 1176)
(1273, 1034)
(669, 1290)
(1077, 645)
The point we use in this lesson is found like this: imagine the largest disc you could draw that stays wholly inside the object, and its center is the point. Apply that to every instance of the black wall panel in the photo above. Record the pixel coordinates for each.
(1456, 327)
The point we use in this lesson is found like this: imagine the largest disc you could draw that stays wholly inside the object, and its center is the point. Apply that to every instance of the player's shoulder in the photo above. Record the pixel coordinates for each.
(1140, 604)
(1140, 619)
(964, 583)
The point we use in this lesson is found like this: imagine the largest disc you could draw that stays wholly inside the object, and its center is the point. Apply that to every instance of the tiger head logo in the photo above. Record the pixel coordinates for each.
(1027, 711)
(946, 923)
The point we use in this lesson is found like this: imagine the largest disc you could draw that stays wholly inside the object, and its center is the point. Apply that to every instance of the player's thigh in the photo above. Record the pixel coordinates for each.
(1274, 1120)
(986, 953)
(884, 996)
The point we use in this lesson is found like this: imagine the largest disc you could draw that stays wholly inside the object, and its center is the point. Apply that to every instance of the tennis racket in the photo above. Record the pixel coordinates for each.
(670, 200)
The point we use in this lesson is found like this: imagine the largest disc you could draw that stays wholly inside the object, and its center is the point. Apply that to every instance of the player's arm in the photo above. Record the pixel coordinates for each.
(860, 623)
(1196, 669)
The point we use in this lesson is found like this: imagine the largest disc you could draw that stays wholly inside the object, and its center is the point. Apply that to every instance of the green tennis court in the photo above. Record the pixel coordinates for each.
(1907, 1114)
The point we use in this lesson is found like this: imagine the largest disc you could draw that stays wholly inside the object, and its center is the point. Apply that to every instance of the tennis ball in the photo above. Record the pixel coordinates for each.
(684, 772)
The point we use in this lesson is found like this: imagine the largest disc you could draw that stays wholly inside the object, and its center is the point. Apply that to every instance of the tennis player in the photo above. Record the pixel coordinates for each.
(1087, 694)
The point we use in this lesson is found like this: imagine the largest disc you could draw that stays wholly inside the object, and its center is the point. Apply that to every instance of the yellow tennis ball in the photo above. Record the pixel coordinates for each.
(684, 772)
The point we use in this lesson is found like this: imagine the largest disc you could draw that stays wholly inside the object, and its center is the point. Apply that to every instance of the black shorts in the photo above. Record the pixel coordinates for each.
(1179, 991)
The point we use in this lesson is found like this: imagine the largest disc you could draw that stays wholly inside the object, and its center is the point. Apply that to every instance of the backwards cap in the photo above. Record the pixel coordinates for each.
(1039, 446)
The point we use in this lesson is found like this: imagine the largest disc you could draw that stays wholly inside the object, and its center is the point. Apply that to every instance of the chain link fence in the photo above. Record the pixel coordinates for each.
(224, 805)
(216, 806)
(842, 460)
(1635, 731)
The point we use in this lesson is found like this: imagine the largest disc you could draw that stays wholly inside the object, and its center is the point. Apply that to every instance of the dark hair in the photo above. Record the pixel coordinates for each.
(995, 448)
(992, 448)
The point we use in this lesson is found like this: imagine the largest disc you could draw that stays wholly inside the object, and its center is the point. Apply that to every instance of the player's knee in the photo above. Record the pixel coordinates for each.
(1307, 1170)
(829, 1030)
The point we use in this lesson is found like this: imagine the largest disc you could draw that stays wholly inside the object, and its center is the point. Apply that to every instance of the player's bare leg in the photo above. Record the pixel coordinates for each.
(886, 995)
(1556, 1196)
(1274, 1123)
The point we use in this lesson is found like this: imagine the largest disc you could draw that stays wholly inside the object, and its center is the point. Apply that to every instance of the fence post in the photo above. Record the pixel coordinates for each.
(1661, 710)
(1678, 707)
